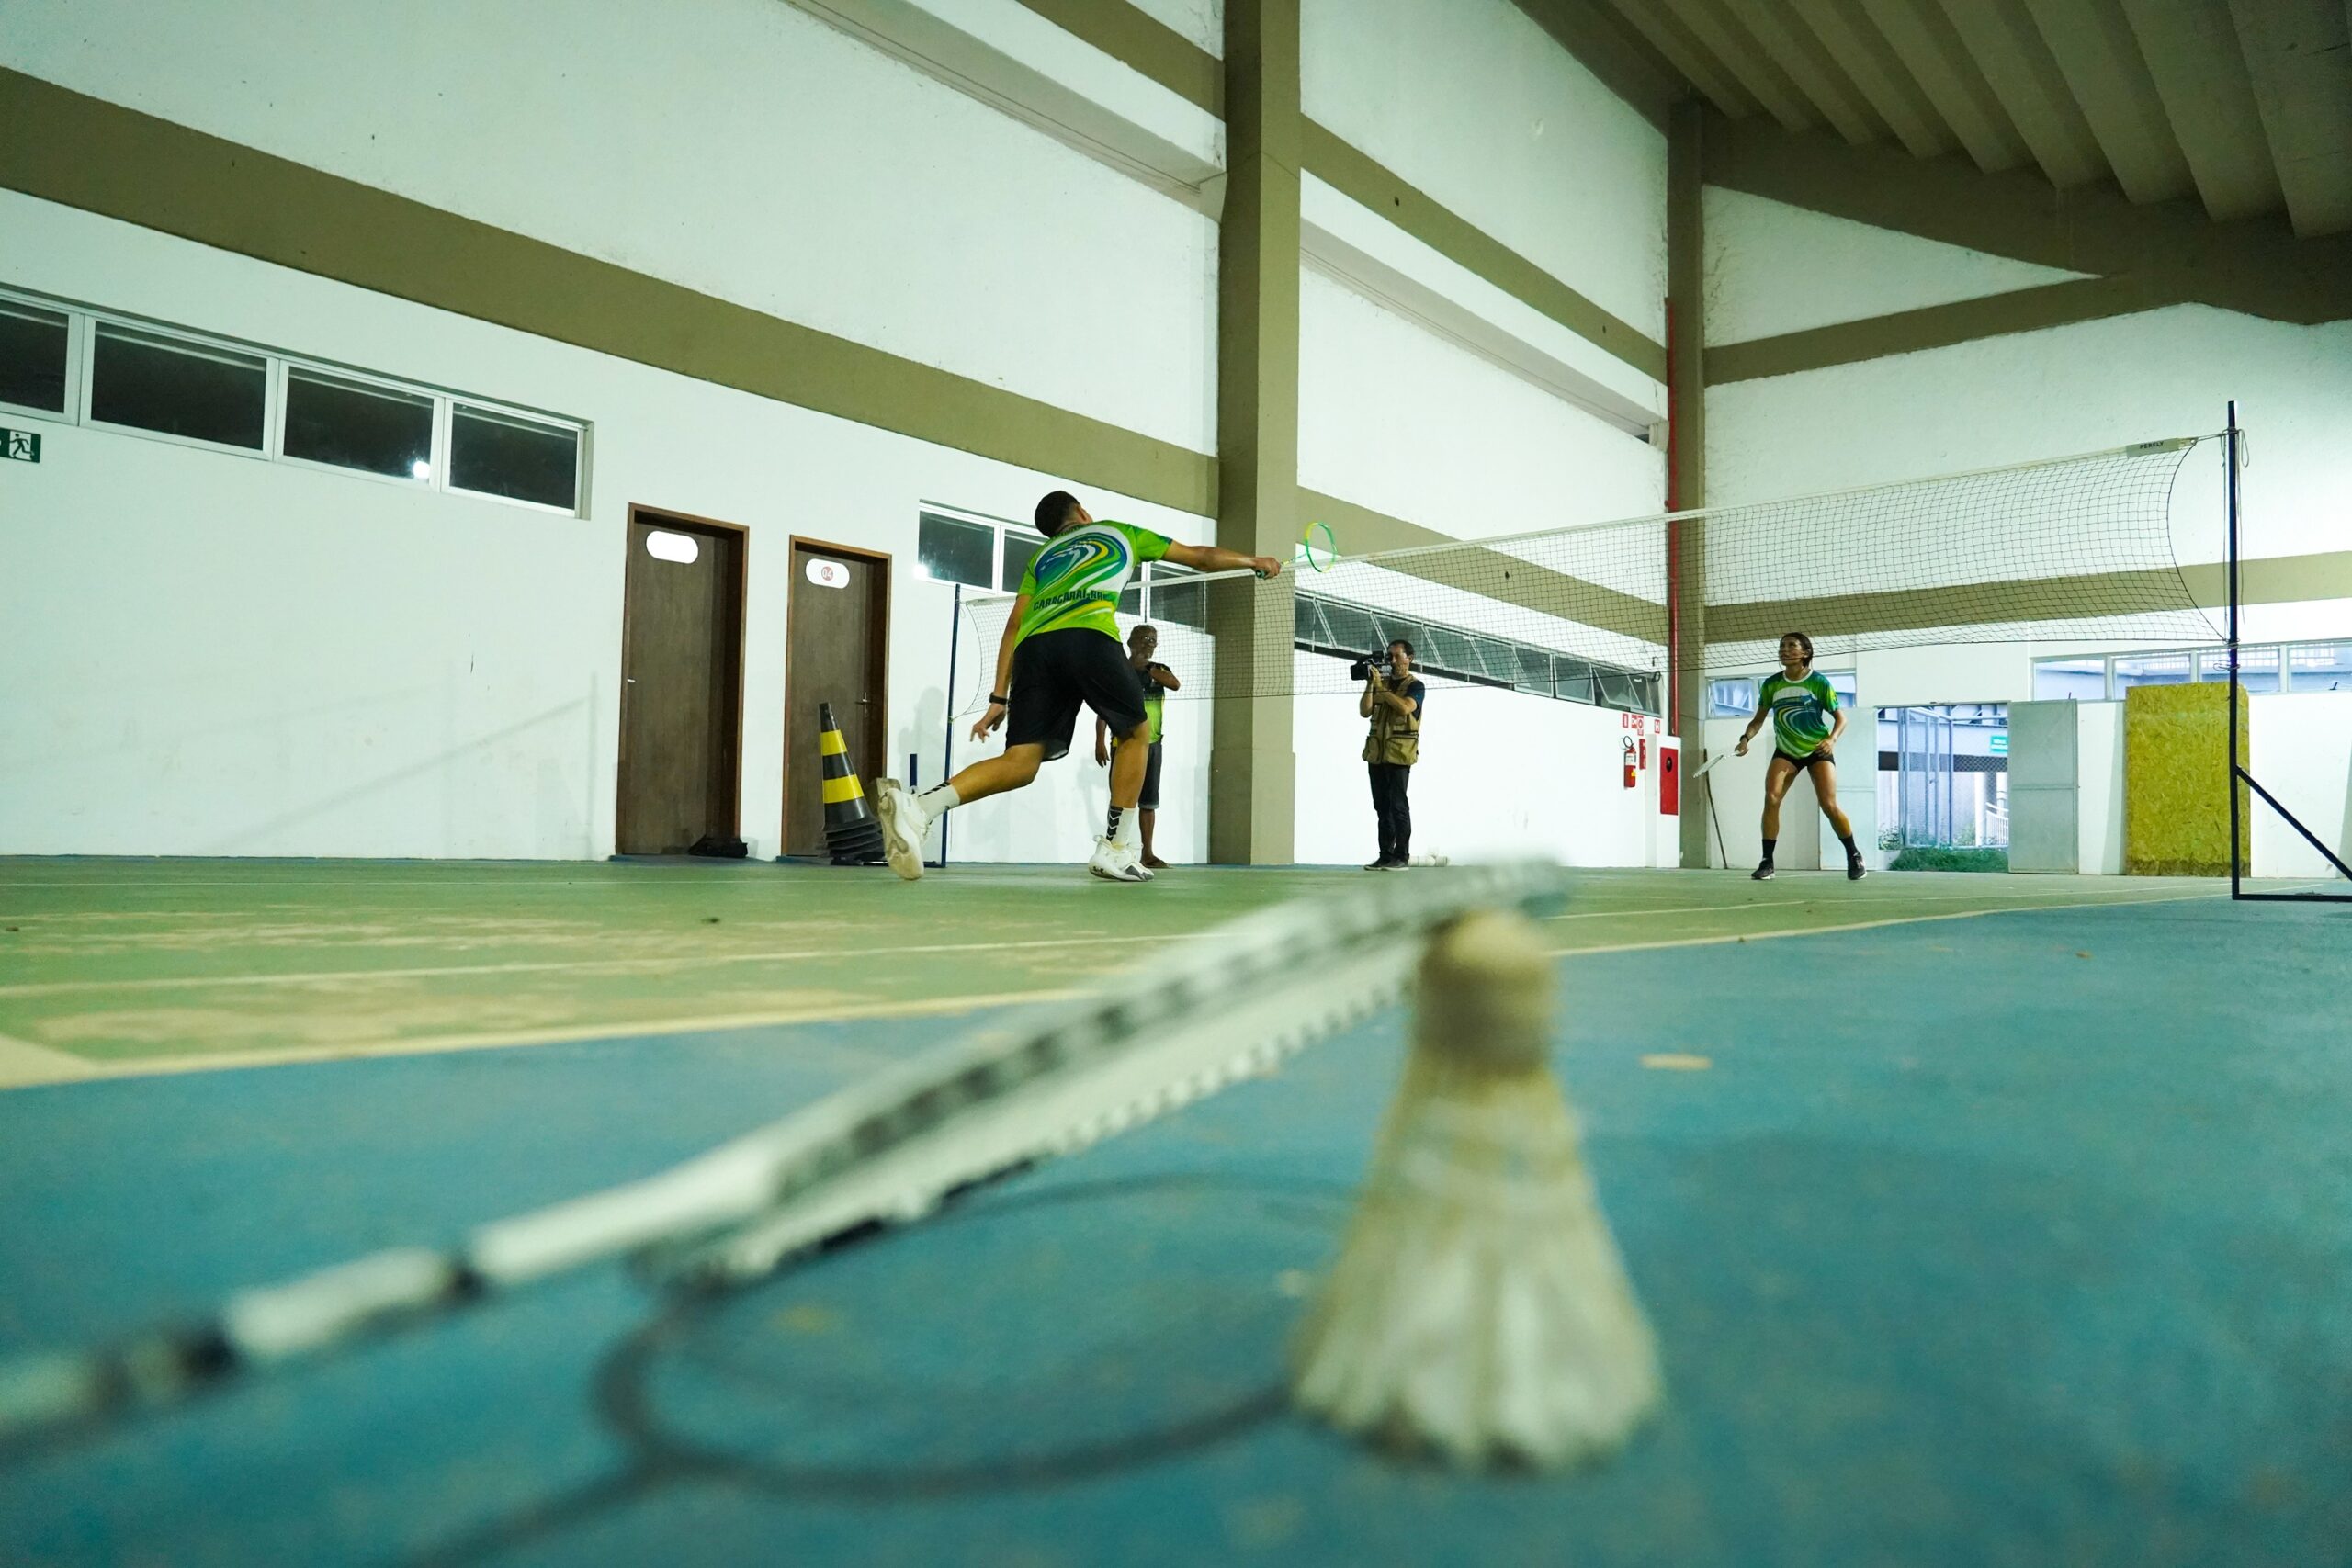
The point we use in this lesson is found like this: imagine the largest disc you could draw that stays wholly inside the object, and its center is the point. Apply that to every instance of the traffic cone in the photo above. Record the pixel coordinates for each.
(852, 832)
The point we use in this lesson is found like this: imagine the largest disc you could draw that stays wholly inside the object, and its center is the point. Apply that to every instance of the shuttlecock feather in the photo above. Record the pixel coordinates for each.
(1479, 1308)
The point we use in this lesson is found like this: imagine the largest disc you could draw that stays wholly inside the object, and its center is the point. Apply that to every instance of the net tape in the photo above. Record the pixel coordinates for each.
(2069, 549)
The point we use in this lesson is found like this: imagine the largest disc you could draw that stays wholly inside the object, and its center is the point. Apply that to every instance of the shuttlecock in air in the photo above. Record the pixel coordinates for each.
(1479, 1308)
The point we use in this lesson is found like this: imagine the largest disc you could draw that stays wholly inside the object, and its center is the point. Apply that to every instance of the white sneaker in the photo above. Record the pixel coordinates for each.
(1116, 863)
(903, 825)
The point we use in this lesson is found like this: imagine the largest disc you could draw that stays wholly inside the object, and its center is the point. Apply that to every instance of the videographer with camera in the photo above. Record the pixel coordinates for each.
(1392, 700)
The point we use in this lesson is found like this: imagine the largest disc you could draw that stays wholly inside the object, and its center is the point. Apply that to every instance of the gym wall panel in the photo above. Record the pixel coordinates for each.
(219, 655)
(741, 148)
(2175, 763)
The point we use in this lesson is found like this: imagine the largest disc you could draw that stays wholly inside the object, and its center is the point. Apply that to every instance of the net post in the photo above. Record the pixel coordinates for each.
(947, 741)
(2230, 547)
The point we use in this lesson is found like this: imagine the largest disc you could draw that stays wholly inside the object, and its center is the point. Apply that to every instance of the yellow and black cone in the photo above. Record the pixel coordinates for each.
(852, 834)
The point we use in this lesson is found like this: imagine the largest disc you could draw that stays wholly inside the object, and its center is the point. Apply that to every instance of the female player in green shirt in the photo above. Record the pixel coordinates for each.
(1806, 723)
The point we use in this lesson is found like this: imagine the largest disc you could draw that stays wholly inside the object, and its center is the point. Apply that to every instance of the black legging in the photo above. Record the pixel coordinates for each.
(1388, 784)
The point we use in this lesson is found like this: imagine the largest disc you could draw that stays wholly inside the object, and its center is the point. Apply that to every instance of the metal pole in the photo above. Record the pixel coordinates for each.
(948, 742)
(2229, 495)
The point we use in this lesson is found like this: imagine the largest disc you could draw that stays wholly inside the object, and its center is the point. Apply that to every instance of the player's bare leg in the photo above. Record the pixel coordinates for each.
(1778, 774)
(1825, 785)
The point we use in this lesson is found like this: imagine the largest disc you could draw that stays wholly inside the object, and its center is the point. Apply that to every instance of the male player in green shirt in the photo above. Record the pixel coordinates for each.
(1060, 650)
(1157, 680)
(1806, 723)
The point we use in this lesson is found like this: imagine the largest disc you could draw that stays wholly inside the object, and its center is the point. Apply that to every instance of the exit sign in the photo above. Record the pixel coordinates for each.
(2000, 743)
(19, 446)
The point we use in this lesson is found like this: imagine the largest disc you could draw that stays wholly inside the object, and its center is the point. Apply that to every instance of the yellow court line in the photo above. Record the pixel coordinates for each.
(84, 1069)
(1729, 937)
(551, 965)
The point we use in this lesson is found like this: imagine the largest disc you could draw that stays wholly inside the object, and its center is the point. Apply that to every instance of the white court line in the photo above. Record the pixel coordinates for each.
(22, 1064)
(159, 1066)
(552, 965)
(81, 1069)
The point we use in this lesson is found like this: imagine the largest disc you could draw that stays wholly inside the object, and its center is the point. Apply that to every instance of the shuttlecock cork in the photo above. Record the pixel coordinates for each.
(1479, 1308)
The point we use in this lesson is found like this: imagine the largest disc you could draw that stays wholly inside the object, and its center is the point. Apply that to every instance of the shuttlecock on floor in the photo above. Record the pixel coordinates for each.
(1479, 1308)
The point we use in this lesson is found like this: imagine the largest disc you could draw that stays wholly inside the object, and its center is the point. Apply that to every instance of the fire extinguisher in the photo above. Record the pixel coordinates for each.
(1632, 782)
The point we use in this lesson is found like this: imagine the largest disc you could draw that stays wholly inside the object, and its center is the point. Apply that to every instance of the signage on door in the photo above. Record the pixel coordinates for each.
(827, 573)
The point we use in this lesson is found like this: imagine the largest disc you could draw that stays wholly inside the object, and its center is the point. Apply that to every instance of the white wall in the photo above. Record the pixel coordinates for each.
(1774, 268)
(1502, 775)
(1474, 102)
(2098, 793)
(2301, 752)
(739, 147)
(217, 655)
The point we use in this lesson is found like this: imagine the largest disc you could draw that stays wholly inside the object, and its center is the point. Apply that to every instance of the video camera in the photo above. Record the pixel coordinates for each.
(1362, 668)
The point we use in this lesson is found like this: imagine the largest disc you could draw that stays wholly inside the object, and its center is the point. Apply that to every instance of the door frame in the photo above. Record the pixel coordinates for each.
(879, 651)
(742, 636)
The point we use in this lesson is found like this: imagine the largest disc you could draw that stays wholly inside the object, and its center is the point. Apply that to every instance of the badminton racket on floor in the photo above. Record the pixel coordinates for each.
(885, 1151)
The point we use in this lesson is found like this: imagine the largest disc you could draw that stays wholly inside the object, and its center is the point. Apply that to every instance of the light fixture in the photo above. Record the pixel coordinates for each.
(420, 469)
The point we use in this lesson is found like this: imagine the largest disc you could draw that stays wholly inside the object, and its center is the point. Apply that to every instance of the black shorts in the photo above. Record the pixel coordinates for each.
(1823, 755)
(1054, 673)
(1149, 799)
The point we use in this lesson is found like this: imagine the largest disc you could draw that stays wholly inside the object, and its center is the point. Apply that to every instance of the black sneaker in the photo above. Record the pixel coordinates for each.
(1763, 872)
(1383, 864)
(1855, 869)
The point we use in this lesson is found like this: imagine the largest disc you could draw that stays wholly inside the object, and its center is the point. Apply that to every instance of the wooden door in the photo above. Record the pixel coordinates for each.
(682, 684)
(837, 642)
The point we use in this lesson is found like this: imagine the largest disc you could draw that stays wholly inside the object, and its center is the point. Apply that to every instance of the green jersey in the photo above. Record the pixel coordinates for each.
(1154, 693)
(1076, 578)
(1802, 712)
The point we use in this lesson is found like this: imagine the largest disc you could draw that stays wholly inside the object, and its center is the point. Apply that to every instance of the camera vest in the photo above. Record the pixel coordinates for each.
(1395, 737)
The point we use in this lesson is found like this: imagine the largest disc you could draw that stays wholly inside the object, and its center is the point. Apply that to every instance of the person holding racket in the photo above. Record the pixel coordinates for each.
(1806, 721)
(1060, 652)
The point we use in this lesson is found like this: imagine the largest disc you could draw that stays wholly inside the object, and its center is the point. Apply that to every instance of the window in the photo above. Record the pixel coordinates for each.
(522, 459)
(1731, 699)
(2320, 667)
(952, 550)
(1020, 549)
(88, 366)
(2257, 668)
(2150, 669)
(33, 356)
(351, 425)
(174, 387)
(2084, 680)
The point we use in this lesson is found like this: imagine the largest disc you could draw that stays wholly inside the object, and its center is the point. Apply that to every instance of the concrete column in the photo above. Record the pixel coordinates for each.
(1687, 460)
(1252, 770)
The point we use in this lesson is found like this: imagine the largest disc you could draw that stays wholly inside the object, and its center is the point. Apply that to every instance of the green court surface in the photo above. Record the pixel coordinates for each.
(113, 965)
(2018, 1238)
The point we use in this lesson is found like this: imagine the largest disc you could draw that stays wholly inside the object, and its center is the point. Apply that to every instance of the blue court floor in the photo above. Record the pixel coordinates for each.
(2020, 1239)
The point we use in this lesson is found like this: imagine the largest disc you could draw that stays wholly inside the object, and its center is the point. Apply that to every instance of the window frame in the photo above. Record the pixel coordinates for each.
(84, 322)
(437, 443)
(76, 326)
(271, 388)
(446, 460)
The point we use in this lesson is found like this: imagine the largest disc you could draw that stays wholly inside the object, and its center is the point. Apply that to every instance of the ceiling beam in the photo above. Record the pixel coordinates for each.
(1724, 35)
(1599, 39)
(2101, 59)
(2200, 71)
(1922, 35)
(1675, 44)
(2255, 265)
(2018, 66)
(2297, 52)
(1849, 35)
(1816, 73)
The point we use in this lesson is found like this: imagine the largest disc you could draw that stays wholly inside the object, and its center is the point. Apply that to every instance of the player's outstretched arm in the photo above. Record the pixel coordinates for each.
(1750, 733)
(1208, 558)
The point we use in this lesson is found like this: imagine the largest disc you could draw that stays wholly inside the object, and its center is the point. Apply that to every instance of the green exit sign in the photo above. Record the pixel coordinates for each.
(2000, 743)
(19, 446)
